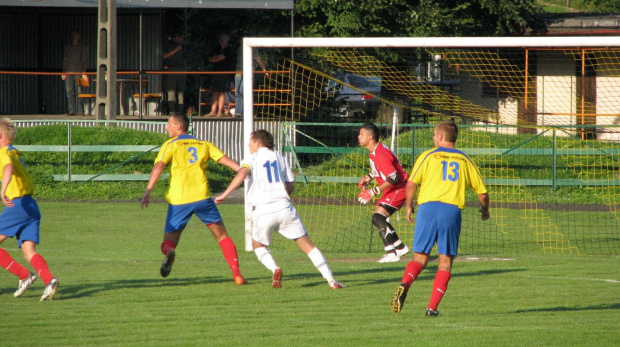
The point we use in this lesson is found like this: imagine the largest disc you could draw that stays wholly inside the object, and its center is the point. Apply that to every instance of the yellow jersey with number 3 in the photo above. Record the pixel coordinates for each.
(188, 159)
(443, 174)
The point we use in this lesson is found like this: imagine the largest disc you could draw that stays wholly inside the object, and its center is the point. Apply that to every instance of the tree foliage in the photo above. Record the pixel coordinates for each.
(604, 6)
(397, 18)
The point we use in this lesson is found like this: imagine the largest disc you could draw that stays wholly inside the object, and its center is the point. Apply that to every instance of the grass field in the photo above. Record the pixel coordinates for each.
(106, 256)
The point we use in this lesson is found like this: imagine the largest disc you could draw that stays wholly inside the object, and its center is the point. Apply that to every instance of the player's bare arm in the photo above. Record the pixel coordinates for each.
(484, 206)
(7, 174)
(410, 193)
(226, 161)
(290, 187)
(155, 174)
(234, 184)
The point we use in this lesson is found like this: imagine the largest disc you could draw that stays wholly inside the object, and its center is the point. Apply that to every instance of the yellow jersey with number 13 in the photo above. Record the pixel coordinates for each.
(188, 158)
(443, 174)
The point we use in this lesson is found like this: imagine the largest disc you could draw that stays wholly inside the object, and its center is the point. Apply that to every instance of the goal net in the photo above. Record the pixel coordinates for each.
(540, 116)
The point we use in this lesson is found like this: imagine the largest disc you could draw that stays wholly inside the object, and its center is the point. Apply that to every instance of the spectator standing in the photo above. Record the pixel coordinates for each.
(220, 83)
(270, 183)
(174, 61)
(239, 78)
(75, 59)
(20, 217)
(188, 193)
(444, 174)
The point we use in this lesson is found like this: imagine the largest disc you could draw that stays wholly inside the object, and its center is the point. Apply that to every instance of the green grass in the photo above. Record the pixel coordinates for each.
(564, 6)
(107, 259)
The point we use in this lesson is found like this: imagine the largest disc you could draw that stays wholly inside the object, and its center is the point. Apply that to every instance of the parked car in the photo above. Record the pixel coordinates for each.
(357, 97)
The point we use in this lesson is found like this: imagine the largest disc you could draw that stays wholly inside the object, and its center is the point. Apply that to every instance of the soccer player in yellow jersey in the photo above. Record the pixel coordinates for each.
(188, 193)
(443, 173)
(20, 217)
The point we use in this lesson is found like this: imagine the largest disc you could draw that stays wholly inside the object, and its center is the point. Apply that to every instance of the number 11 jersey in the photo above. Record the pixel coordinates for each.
(269, 171)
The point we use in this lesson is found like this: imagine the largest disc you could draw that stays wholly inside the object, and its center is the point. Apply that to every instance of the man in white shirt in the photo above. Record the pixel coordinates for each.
(270, 182)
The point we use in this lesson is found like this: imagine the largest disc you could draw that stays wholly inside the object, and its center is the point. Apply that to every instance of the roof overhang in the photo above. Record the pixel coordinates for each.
(240, 4)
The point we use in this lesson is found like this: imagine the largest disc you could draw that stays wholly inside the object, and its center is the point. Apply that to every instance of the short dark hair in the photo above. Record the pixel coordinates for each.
(181, 119)
(264, 137)
(371, 127)
(449, 130)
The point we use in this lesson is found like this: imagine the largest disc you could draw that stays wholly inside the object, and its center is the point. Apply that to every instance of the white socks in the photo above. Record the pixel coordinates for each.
(265, 257)
(320, 263)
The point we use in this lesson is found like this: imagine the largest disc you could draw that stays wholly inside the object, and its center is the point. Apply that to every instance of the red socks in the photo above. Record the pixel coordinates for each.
(166, 246)
(40, 266)
(439, 289)
(7, 262)
(230, 253)
(412, 271)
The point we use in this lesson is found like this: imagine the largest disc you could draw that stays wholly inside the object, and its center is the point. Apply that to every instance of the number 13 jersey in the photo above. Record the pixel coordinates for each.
(269, 171)
(443, 174)
(188, 158)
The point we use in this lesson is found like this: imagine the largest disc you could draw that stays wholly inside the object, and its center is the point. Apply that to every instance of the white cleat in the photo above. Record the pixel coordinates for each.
(22, 285)
(50, 290)
(401, 252)
(389, 258)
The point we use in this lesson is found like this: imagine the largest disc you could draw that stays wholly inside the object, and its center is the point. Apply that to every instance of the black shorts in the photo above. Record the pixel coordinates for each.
(221, 83)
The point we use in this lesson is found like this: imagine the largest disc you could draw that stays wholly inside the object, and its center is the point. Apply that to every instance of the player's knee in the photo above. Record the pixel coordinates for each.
(379, 220)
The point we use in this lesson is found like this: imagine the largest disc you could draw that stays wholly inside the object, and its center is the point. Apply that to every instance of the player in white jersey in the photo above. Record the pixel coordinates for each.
(270, 181)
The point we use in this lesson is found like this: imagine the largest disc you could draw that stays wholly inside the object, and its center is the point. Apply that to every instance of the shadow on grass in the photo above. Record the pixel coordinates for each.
(615, 306)
(84, 290)
(393, 270)
(397, 268)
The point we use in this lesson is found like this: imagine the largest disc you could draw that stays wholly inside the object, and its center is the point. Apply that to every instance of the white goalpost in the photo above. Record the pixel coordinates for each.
(607, 74)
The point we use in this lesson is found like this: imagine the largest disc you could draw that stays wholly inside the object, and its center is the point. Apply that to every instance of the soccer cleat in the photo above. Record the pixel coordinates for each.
(335, 285)
(399, 298)
(401, 252)
(432, 313)
(389, 258)
(22, 285)
(166, 265)
(277, 279)
(50, 290)
(239, 280)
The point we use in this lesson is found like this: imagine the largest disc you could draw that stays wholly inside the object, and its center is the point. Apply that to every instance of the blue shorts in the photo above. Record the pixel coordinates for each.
(21, 220)
(437, 222)
(179, 215)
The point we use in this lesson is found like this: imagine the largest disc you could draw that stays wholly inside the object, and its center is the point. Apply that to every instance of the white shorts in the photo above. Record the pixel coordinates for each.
(285, 220)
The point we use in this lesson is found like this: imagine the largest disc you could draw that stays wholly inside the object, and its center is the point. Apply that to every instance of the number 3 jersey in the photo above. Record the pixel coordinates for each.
(443, 174)
(188, 159)
(269, 171)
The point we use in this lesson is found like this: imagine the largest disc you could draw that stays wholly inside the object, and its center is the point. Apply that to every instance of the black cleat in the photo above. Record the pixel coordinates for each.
(432, 313)
(399, 298)
(166, 265)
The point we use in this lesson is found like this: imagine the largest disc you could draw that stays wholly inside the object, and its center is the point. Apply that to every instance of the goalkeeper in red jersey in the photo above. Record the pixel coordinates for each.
(443, 174)
(391, 181)
(21, 216)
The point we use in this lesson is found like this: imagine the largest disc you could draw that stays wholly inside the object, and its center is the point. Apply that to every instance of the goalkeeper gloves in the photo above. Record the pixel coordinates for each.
(363, 183)
(365, 196)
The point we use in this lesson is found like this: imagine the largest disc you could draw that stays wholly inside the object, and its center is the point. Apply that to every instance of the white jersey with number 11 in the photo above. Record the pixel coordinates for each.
(268, 172)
